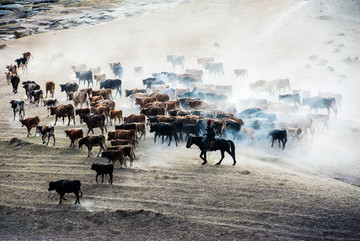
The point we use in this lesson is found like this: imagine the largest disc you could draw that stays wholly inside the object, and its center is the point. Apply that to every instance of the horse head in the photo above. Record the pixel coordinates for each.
(189, 142)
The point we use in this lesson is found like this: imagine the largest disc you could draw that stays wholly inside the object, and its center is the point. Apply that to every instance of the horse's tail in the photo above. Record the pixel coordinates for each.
(232, 146)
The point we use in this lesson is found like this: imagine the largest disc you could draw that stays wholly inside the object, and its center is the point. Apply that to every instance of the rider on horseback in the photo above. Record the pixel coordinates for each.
(209, 135)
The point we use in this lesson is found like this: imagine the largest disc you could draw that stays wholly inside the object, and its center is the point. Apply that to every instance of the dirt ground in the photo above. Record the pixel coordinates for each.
(167, 195)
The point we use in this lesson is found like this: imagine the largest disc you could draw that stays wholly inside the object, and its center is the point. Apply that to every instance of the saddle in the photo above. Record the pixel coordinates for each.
(211, 143)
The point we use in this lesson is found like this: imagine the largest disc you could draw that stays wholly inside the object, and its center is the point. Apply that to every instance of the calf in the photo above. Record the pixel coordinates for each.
(94, 121)
(164, 129)
(280, 135)
(50, 102)
(99, 78)
(12, 69)
(74, 134)
(8, 77)
(103, 170)
(37, 95)
(30, 123)
(66, 186)
(79, 97)
(64, 110)
(116, 114)
(46, 131)
(50, 87)
(91, 141)
(114, 155)
(15, 80)
(18, 106)
(22, 62)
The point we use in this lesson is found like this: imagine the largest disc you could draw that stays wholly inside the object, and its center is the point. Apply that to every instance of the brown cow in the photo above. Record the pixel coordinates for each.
(46, 131)
(13, 69)
(172, 104)
(8, 77)
(117, 142)
(27, 56)
(91, 141)
(204, 60)
(135, 118)
(122, 134)
(30, 123)
(153, 111)
(82, 111)
(50, 87)
(99, 78)
(127, 149)
(95, 99)
(116, 114)
(102, 110)
(197, 104)
(106, 93)
(145, 100)
(161, 97)
(113, 155)
(74, 134)
(109, 103)
(64, 110)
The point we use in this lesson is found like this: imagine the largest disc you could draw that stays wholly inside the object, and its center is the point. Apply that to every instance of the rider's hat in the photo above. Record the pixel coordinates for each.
(208, 122)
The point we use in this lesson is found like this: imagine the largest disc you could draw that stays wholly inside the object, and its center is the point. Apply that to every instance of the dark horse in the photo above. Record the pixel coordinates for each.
(220, 144)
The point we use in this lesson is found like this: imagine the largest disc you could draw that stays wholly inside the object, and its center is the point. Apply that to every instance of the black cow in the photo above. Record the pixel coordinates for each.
(38, 96)
(114, 84)
(117, 69)
(291, 99)
(126, 126)
(85, 76)
(93, 121)
(318, 102)
(191, 129)
(233, 128)
(152, 81)
(22, 62)
(18, 106)
(66, 186)
(69, 87)
(103, 170)
(280, 135)
(15, 80)
(164, 129)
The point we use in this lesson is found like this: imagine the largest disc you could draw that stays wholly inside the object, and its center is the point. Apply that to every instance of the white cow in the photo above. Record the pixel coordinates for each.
(176, 60)
(215, 69)
(242, 74)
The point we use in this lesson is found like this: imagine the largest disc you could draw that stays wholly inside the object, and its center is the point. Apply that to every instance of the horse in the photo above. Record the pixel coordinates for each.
(220, 144)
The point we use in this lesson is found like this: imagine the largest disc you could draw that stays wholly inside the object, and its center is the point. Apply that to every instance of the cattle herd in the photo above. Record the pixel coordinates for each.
(172, 106)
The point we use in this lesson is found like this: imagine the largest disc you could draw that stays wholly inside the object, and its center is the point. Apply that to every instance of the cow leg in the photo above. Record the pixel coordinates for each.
(89, 151)
(28, 133)
(111, 178)
(279, 142)
(170, 137)
(61, 197)
(69, 118)
(176, 139)
(101, 147)
(97, 174)
(272, 144)
(63, 118)
(15, 114)
(102, 178)
(77, 197)
(54, 140)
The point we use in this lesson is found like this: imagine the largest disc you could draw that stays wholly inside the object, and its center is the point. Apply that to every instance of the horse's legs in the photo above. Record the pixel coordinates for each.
(203, 157)
(222, 157)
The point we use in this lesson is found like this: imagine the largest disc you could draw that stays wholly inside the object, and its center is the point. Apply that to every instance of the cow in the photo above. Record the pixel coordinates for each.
(149, 82)
(66, 186)
(172, 104)
(139, 71)
(176, 60)
(93, 121)
(338, 97)
(320, 119)
(280, 135)
(30, 123)
(99, 78)
(29, 87)
(128, 150)
(153, 111)
(225, 89)
(242, 74)
(191, 129)
(91, 141)
(281, 84)
(74, 134)
(118, 142)
(106, 94)
(204, 60)
(262, 86)
(79, 67)
(22, 62)
(83, 111)
(49, 102)
(178, 112)
(114, 155)
(102, 110)
(103, 170)
(215, 69)
(142, 101)
(197, 104)
(134, 91)
(117, 69)
(50, 87)
(196, 72)
(109, 103)
(116, 114)
(13, 69)
(95, 99)
(63, 110)
(233, 127)
(164, 129)
(86, 75)
(27, 56)
(79, 97)
(38, 97)
(122, 134)
(114, 84)
(135, 118)
(291, 99)
(15, 80)
(46, 131)
(318, 102)
(18, 106)
(69, 87)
